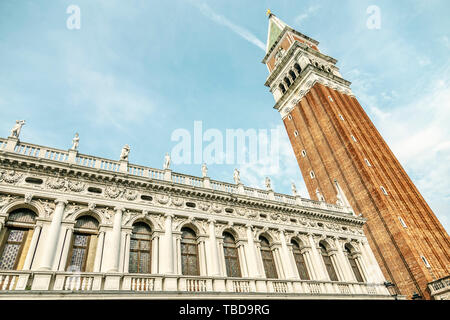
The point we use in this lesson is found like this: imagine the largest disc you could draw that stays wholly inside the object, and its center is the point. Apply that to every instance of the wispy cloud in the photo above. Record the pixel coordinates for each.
(310, 11)
(419, 135)
(219, 19)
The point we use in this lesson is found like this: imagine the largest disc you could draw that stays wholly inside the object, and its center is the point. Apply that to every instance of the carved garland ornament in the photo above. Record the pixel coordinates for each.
(10, 176)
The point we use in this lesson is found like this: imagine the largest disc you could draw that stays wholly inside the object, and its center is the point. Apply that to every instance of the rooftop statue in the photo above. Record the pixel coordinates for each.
(125, 152)
(15, 132)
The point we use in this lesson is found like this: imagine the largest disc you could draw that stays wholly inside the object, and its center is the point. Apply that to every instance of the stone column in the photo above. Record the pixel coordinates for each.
(126, 261)
(372, 265)
(99, 251)
(114, 245)
(362, 268)
(65, 249)
(286, 257)
(280, 268)
(242, 259)
(202, 257)
(155, 254)
(311, 268)
(53, 235)
(320, 268)
(166, 254)
(345, 264)
(32, 248)
(337, 265)
(252, 257)
(215, 271)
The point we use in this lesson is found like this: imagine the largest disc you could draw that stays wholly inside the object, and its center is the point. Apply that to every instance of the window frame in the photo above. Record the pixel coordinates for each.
(266, 248)
(227, 258)
(190, 242)
(138, 250)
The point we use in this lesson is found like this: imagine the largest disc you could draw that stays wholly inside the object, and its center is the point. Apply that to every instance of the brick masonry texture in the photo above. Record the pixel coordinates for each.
(332, 154)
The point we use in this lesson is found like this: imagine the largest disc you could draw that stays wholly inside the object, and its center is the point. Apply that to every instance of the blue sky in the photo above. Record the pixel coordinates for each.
(138, 70)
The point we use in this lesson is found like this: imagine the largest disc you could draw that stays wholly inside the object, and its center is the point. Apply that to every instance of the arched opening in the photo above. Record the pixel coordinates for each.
(231, 255)
(268, 259)
(84, 245)
(189, 253)
(292, 74)
(349, 252)
(300, 261)
(15, 238)
(282, 88)
(328, 263)
(297, 67)
(140, 248)
(287, 81)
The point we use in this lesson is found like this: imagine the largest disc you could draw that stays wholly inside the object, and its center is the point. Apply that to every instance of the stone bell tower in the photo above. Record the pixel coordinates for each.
(344, 159)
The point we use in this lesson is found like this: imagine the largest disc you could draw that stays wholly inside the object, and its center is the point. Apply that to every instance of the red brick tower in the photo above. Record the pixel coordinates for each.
(344, 159)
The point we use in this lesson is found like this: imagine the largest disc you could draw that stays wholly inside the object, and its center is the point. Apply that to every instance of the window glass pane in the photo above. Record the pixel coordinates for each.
(11, 249)
(134, 244)
(9, 256)
(79, 253)
(133, 266)
(144, 262)
(76, 262)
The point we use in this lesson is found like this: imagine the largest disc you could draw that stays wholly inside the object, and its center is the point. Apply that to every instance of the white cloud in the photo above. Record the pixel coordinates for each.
(305, 15)
(219, 19)
(419, 135)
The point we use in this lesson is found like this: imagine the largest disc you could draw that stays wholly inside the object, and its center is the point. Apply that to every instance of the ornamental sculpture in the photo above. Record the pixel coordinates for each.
(166, 162)
(294, 189)
(236, 176)
(268, 184)
(125, 152)
(204, 170)
(75, 142)
(15, 132)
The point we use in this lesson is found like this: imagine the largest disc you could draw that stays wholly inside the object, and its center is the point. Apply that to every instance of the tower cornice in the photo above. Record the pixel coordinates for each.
(290, 52)
(301, 86)
(277, 41)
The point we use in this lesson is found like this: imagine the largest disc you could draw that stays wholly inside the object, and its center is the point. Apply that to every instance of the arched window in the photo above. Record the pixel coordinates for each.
(292, 74)
(268, 260)
(18, 232)
(282, 88)
(231, 256)
(189, 253)
(140, 248)
(300, 261)
(351, 258)
(328, 263)
(84, 245)
(287, 81)
(297, 67)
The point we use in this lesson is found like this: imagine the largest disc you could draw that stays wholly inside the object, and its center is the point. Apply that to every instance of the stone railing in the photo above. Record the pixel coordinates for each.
(13, 280)
(95, 282)
(73, 157)
(440, 289)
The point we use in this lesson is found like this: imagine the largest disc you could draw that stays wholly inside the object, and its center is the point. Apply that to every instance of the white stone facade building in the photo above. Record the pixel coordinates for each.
(77, 226)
